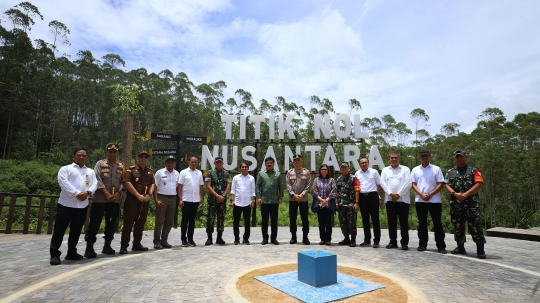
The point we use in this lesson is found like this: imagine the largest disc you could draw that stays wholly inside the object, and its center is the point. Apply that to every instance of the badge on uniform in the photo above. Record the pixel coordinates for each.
(136, 179)
(87, 181)
(104, 174)
(149, 172)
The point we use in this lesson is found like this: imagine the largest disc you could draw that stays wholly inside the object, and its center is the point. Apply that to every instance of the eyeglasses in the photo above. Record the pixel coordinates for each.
(144, 157)
(324, 169)
(363, 163)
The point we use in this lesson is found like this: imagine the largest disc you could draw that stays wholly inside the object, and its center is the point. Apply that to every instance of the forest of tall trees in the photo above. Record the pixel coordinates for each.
(52, 103)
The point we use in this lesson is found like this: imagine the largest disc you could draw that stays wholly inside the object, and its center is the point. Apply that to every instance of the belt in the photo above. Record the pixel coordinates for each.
(370, 193)
(168, 196)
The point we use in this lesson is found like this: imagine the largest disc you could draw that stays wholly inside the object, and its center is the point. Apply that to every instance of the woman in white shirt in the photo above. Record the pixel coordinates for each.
(243, 200)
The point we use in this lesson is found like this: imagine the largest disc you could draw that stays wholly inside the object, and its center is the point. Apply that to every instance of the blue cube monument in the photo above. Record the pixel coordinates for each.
(317, 268)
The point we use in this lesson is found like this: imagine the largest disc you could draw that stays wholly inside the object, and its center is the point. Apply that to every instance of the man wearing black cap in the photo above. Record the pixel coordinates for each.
(218, 185)
(463, 182)
(106, 201)
(348, 189)
(427, 180)
(298, 183)
(165, 196)
(140, 184)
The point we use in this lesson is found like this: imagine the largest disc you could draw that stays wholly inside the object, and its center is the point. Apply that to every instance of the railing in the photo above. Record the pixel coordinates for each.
(45, 207)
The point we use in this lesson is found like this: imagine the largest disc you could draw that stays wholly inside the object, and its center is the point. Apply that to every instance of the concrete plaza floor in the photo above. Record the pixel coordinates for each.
(511, 272)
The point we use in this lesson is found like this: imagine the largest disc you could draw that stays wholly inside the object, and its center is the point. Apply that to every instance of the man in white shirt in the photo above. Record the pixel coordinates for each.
(77, 182)
(427, 181)
(370, 201)
(190, 194)
(396, 183)
(243, 200)
(165, 197)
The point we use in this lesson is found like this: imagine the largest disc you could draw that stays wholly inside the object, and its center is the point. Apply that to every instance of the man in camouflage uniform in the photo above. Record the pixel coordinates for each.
(348, 189)
(463, 182)
(218, 185)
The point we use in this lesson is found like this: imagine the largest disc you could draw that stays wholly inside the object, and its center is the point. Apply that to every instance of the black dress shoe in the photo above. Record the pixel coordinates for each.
(404, 247)
(264, 242)
(107, 249)
(442, 251)
(352, 244)
(220, 241)
(306, 241)
(274, 241)
(459, 251)
(329, 243)
(481, 255)
(375, 245)
(421, 248)
(158, 246)
(322, 243)
(245, 242)
(184, 244)
(236, 242)
(73, 257)
(55, 261)
(293, 241)
(390, 246)
(191, 243)
(364, 244)
(166, 245)
(90, 254)
(208, 242)
(139, 247)
(123, 250)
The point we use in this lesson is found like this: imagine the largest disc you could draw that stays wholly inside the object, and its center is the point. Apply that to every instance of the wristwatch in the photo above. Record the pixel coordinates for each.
(89, 193)
(453, 193)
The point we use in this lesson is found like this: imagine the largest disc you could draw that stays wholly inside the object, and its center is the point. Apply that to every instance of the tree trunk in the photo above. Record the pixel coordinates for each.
(127, 140)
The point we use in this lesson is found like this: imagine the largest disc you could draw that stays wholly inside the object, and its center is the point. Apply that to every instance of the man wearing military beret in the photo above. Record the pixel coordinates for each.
(106, 201)
(218, 184)
(463, 182)
(140, 184)
(298, 182)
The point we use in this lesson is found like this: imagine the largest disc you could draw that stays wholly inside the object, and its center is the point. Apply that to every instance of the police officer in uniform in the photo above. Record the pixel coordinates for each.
(218, 185)
(348, 194)
(139, 182)
(298, 183)
(463, 182)
(106, 201)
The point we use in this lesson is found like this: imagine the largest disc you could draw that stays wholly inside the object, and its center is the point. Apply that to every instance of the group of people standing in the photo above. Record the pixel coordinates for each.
(365, 191)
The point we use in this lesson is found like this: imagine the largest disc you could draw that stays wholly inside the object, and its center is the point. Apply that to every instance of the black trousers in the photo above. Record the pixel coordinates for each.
(325, 215)
(97, 211)
(394, 211)
(189, 211)
(369, 206)
(435, 210)
(272, 211)
(237, 212)
(293, 213)
(67, 216)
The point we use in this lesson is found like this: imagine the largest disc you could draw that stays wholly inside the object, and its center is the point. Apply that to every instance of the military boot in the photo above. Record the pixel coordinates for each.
(305, 240)
(89, 252)
(209, 241)
(107, 249)
(353, 241)
(460, 249)
(480, 253)
(219, 240)
(345, 241)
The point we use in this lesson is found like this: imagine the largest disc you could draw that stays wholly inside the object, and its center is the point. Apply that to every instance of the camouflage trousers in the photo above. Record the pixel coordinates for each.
(347, 220)
(467, 213)
(218, 210)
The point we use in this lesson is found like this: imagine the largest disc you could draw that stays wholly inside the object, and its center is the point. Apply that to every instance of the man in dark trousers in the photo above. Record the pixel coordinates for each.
(139, 182)
(298, 183)
(269, 189)
(106, 201)
(77, 182)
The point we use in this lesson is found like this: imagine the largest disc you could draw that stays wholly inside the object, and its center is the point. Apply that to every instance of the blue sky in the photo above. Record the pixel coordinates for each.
(451, 58)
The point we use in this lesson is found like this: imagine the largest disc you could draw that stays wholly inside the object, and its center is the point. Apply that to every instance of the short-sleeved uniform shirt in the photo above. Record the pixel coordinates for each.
(346, 187)
(108, 175)
(141, 178)
(462, 179)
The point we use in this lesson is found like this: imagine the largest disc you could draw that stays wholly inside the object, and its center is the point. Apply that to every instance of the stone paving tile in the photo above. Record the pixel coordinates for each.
(199, 274)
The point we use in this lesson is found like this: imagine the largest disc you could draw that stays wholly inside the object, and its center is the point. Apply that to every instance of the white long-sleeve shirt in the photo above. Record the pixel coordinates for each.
(243, 189)
(74, 180)
(397, 180)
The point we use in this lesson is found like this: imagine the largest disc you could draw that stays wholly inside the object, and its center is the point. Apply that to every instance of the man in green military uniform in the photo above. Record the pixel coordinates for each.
(463, 182)
(348, 189)
(218, 185)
